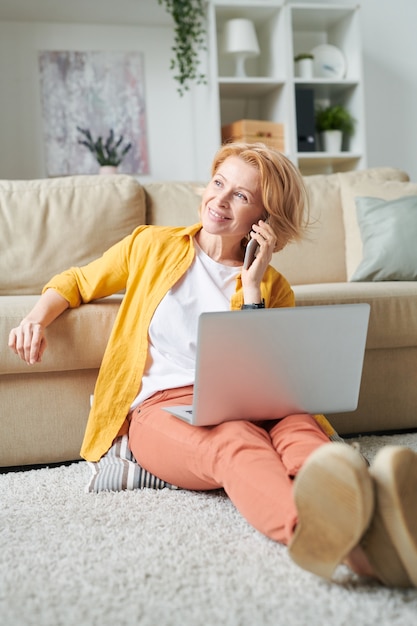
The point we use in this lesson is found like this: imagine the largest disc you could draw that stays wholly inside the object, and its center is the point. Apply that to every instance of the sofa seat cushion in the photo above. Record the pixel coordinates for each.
(76, 340)
(49, 225)
(393, 319)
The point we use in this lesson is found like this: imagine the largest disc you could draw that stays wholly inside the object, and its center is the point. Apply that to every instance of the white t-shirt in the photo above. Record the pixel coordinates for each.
(206, 286)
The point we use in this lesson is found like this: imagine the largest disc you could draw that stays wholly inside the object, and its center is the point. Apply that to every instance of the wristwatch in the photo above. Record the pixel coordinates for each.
(255, 305)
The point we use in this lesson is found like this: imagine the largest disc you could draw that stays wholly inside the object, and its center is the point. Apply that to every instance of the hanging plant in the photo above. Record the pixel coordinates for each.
(189, 17)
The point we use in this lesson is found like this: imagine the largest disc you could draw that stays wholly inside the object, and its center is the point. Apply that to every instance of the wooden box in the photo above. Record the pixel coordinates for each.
(252, 131)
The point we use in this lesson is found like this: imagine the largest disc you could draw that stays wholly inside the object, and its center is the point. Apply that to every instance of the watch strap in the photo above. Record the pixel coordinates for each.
(255, 305)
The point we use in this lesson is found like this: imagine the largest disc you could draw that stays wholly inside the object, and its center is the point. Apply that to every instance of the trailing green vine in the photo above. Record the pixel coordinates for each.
(190, 30)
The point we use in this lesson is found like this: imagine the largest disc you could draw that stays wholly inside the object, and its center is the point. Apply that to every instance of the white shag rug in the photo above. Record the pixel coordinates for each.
(164, 558)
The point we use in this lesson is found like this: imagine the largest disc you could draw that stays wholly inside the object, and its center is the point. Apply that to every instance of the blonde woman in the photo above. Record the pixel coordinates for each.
(285, 476)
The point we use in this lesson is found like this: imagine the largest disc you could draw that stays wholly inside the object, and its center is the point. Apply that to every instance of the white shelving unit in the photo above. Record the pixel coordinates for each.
(285, 29)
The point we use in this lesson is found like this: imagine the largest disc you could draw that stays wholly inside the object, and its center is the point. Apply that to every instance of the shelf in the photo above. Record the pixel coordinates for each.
(311, 163)
(248, 88)
(322, 157)
(314, 25)
(320, 18)
(326, 88)
(267, 17)
(259, 11)
(269, 91)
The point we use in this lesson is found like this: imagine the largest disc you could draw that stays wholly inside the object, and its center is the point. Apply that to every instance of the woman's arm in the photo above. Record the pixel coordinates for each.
(28, 339)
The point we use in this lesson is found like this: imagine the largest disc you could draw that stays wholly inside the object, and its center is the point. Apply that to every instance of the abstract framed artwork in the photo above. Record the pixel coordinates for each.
(95, 90)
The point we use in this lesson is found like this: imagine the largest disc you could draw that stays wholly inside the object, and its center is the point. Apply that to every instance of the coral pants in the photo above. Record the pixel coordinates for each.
(253, 462)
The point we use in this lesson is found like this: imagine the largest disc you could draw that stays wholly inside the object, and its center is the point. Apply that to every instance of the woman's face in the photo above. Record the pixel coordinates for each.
(232, 201)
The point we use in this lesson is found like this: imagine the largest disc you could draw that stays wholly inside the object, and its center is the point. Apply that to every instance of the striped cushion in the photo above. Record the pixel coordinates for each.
(118, 470)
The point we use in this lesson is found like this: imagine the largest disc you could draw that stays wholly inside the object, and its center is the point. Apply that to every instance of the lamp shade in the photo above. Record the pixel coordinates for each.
(240, 40)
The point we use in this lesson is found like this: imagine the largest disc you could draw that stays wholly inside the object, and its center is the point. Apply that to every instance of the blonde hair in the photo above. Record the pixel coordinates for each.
(284, 195)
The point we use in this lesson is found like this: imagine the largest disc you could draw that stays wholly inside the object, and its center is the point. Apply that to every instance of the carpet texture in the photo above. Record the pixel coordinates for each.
(164, 558)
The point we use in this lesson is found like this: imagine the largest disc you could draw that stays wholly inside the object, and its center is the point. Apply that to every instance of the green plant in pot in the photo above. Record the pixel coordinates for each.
(336, 120)
(304, 65)
(108, 153)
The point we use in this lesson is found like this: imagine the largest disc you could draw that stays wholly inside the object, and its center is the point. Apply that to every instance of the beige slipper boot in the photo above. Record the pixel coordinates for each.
(334, 496)
(391, 540)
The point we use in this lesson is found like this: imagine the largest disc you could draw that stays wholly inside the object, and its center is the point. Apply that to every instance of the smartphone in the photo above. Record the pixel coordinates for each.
(251, 250)
(250, 253)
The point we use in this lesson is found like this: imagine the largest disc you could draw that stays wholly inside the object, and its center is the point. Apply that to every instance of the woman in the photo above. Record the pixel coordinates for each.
(170, 276)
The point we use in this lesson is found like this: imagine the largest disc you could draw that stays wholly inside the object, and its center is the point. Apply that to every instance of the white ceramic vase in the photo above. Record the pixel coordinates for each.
(332, 140)
(304, 68)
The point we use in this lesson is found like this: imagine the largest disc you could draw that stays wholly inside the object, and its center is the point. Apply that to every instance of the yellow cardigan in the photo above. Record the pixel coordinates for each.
(146, 264)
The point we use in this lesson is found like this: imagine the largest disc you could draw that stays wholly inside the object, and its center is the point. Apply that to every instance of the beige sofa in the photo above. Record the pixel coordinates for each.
(48, 225)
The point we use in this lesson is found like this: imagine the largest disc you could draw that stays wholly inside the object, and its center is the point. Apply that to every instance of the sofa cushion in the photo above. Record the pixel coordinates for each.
(388, 231)
(393, 318)
(49, 225)
(387, 190)
(307, 262)
(173, 203)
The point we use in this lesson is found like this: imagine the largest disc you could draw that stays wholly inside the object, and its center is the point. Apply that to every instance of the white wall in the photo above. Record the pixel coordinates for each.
(170, 118)
(179, 147)
(389, 45)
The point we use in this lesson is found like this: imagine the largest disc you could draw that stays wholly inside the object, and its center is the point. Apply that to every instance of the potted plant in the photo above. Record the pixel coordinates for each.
(333, 123)
(190, 30)
(108, 154)
(304, 65)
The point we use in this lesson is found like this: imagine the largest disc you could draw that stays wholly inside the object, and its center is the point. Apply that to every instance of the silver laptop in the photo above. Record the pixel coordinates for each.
(269, 363)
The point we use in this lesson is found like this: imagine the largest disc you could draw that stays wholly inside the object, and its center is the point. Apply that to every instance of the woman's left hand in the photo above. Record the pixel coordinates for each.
(252, 277)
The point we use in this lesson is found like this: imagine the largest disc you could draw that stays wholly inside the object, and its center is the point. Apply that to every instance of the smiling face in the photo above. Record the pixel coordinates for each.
(232, 201)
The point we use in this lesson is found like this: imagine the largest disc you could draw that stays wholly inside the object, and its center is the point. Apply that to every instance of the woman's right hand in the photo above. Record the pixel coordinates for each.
(28, 341)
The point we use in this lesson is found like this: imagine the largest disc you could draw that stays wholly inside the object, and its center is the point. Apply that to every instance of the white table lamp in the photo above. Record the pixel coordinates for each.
(240, 40)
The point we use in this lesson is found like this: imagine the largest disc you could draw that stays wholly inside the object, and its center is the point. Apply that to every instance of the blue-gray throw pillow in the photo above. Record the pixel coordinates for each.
(389, 237)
